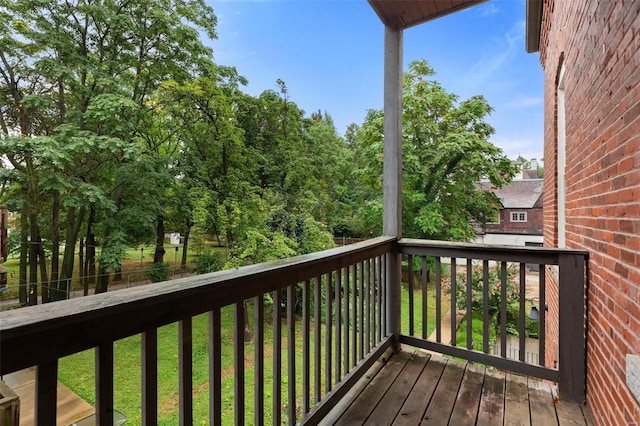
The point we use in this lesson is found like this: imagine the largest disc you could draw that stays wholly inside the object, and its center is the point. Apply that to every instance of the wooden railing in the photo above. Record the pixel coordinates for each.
(333, 314)
(338, 293)
(486, 282)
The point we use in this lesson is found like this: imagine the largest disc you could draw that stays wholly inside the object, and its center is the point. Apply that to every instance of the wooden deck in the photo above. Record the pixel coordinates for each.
(70, 408)
(415, 388)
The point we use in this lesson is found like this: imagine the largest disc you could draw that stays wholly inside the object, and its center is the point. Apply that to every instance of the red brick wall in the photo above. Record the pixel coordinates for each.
(599, 42)
(533, 225)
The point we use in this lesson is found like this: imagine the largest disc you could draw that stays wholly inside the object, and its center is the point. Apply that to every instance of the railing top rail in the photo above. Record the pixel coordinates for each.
(529, 254)
(41, 333)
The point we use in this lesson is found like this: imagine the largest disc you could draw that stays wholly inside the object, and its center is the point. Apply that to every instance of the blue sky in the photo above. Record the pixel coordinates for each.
(330, 55)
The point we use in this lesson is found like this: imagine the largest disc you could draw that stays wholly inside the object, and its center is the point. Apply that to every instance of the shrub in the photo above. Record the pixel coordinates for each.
(209, 261)
(513, 322)
(158, 272)
(494, 288)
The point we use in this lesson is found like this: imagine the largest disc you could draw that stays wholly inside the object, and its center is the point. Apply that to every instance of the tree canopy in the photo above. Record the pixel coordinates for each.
(116, 123)
(446, 152)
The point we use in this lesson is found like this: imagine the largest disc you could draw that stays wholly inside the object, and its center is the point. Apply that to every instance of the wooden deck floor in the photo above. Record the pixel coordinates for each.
(71, 407)
(415, 388)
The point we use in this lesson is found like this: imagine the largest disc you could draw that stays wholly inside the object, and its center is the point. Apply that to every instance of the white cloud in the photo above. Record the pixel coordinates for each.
(525, 102)
(497, 54)
(488, 9)
(513, 147)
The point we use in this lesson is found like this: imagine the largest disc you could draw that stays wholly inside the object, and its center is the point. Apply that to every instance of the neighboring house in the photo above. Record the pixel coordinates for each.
(590, 53)
(527, 169)
(519, 221)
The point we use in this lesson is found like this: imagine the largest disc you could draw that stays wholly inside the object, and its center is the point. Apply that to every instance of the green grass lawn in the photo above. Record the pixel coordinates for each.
(77, 371)
(477, 332)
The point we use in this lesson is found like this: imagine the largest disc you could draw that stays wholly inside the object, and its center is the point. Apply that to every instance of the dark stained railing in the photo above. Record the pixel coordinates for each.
(332, 317)
(470, 278)
(339, 294)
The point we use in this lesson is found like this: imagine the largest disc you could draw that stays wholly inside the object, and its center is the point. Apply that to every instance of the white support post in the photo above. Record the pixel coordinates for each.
(392, 175)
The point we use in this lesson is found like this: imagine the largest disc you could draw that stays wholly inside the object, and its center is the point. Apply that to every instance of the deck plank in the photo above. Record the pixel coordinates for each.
(543, 412)
(447, 391)
(418, 399)
(568, 414)
(491, 411)
(516, 401)
(70, 407)
(465, 410)
(360, 410)
(386, 411)
(441, 405)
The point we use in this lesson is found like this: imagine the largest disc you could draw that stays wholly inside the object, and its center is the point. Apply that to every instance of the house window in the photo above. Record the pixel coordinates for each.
(518, 217)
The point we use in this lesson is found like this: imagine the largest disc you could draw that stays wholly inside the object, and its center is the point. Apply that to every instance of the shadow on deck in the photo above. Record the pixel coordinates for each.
(415, 387)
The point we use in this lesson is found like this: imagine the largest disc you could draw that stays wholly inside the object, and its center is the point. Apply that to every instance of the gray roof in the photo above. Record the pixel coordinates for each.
(519, 194)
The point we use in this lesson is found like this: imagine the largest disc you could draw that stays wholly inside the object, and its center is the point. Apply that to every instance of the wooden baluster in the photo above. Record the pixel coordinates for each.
(469, 301)
(215, 367)
(522, 339)
(46, 397)
(277, 358)
(423, 276)
(338, 324)
(104, 384)
(411, 307)
(185, 361)
(486, 321)
(306, 345)
(258, 365)
(149, 359)
(328, 336)
(503, 309)
(438, 300)
(291, 352)
(238, 357)
(317, 315)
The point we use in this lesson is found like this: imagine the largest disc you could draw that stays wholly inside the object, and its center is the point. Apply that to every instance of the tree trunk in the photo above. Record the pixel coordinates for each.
(33, 259)
(215, 230)
(91, 259)
(68, 260)
(185, 244)
(55, 240)
(83, 271)
(102, 283)
(24, 256)
(90, 246)
(44, 279)
(158, 256)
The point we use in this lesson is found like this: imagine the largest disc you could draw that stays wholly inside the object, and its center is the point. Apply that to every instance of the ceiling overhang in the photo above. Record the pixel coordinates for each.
(534, 24)
(402, 14)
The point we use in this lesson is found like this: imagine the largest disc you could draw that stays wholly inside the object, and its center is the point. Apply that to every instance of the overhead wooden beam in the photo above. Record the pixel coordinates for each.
(402, 14)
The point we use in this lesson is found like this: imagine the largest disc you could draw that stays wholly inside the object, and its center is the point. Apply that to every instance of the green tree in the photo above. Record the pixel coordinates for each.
(214, 158)
(446, 152)
(81, 73)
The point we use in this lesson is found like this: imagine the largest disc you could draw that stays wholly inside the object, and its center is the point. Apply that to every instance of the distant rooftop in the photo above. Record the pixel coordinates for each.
(519, 194)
